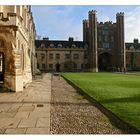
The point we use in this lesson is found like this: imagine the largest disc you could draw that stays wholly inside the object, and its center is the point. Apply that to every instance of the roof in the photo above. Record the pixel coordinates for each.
(60, 44)
(135, 45)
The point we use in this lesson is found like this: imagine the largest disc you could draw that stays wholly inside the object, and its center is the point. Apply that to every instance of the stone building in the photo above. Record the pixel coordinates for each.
(17, 51)
(106, 43)
(58, 55)
(103, 49)
(133, 55)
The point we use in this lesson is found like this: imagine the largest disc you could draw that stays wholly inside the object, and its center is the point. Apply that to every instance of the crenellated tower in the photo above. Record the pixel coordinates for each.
(85, 30)
(93, 50)
(121, 41)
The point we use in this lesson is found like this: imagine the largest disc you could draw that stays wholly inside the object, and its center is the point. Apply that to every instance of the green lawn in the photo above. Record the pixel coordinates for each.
(119, 93)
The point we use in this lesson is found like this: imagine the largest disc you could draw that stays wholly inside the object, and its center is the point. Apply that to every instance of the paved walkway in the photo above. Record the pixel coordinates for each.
(27, 112)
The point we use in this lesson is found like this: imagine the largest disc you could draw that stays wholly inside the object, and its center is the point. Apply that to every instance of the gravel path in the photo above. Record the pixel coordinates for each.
(72, 114)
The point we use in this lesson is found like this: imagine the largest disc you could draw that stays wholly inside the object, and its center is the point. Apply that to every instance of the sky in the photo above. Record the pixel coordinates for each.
(62, 22)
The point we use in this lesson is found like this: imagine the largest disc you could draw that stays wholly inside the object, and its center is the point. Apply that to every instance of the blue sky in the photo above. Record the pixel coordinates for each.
(60, 22)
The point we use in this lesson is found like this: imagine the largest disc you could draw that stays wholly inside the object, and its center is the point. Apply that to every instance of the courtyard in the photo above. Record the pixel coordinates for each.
(50, 105)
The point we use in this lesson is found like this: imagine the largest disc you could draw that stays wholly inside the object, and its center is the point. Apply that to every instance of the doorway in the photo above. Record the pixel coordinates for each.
(104, 62)
(2, 67)
(57, 66)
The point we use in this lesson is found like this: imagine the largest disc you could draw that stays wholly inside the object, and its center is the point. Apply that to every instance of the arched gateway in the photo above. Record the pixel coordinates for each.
(105, 62)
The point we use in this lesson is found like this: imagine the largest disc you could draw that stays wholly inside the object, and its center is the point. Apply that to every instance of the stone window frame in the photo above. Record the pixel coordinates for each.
(67, 56)
(42, 56)
(51, 56)
(60, 45)
(43, 65)
(57, 56)
(51, 45)
(42, 45)
(75, 65)
(75, 56)
(73, 46)
(106, 45)
(50, 66)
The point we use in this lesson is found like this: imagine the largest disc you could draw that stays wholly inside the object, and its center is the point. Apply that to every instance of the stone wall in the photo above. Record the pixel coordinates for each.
(17, 31)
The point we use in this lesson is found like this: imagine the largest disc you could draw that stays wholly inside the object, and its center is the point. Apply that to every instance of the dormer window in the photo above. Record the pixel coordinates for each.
(59, 45)
(51, 45)
(73, 46)
(132, 48)
(42, 45)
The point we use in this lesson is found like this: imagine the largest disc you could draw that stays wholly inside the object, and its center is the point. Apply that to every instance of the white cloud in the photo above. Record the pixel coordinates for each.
(132, 25)
(58, 22)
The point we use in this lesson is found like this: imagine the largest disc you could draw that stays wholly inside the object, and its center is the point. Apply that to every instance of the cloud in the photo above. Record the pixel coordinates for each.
(132, 24)
(57, 22)
(60, 22)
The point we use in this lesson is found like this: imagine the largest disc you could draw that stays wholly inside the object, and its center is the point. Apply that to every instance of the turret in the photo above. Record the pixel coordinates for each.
(93, 52)
(121, 41)
(85, 30)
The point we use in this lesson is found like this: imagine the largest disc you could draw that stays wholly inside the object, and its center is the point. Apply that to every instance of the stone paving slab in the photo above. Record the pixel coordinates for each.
(15, 131)
(9, 122)
(22, 115)
(43, 122)
(28, 110)
(38, 130)
(39, 114)
(7, 114)
(29, 122)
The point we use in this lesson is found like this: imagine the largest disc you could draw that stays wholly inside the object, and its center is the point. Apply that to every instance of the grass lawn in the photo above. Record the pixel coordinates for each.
(119, 93)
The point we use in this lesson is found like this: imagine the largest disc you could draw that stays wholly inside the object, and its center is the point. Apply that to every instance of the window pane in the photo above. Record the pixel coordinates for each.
(76, 56)
(57, 56)
(67, 56)
(50, 56)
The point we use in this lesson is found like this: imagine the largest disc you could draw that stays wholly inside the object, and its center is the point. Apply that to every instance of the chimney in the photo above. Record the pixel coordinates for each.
(71, 39)
(136, 41)
(46, 38)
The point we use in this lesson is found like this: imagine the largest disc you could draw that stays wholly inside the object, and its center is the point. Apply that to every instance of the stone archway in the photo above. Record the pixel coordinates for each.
(105, 62)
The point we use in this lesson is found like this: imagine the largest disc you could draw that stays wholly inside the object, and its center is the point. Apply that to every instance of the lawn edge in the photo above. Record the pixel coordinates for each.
(114, 119)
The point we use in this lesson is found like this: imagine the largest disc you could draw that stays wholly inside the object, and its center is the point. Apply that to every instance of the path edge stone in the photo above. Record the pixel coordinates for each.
(114, 119)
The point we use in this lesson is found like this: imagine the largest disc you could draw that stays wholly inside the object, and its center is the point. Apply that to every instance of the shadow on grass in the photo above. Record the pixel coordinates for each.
(135, 99)
(115, 120)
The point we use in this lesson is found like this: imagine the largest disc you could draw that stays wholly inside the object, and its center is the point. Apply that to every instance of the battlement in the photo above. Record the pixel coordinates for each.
(106, 23)
(120, 14)
(92, 12)
(85, 21)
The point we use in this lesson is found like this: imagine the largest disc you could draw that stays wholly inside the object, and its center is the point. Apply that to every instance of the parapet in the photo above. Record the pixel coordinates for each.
(85, 21)
(92, 12)
(106, 23)
(120, 14)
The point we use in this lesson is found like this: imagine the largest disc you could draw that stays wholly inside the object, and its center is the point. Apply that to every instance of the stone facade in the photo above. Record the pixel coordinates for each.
(103, 49)
(61, 55)
(106, 43)
(133, 55)
(17, 51)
